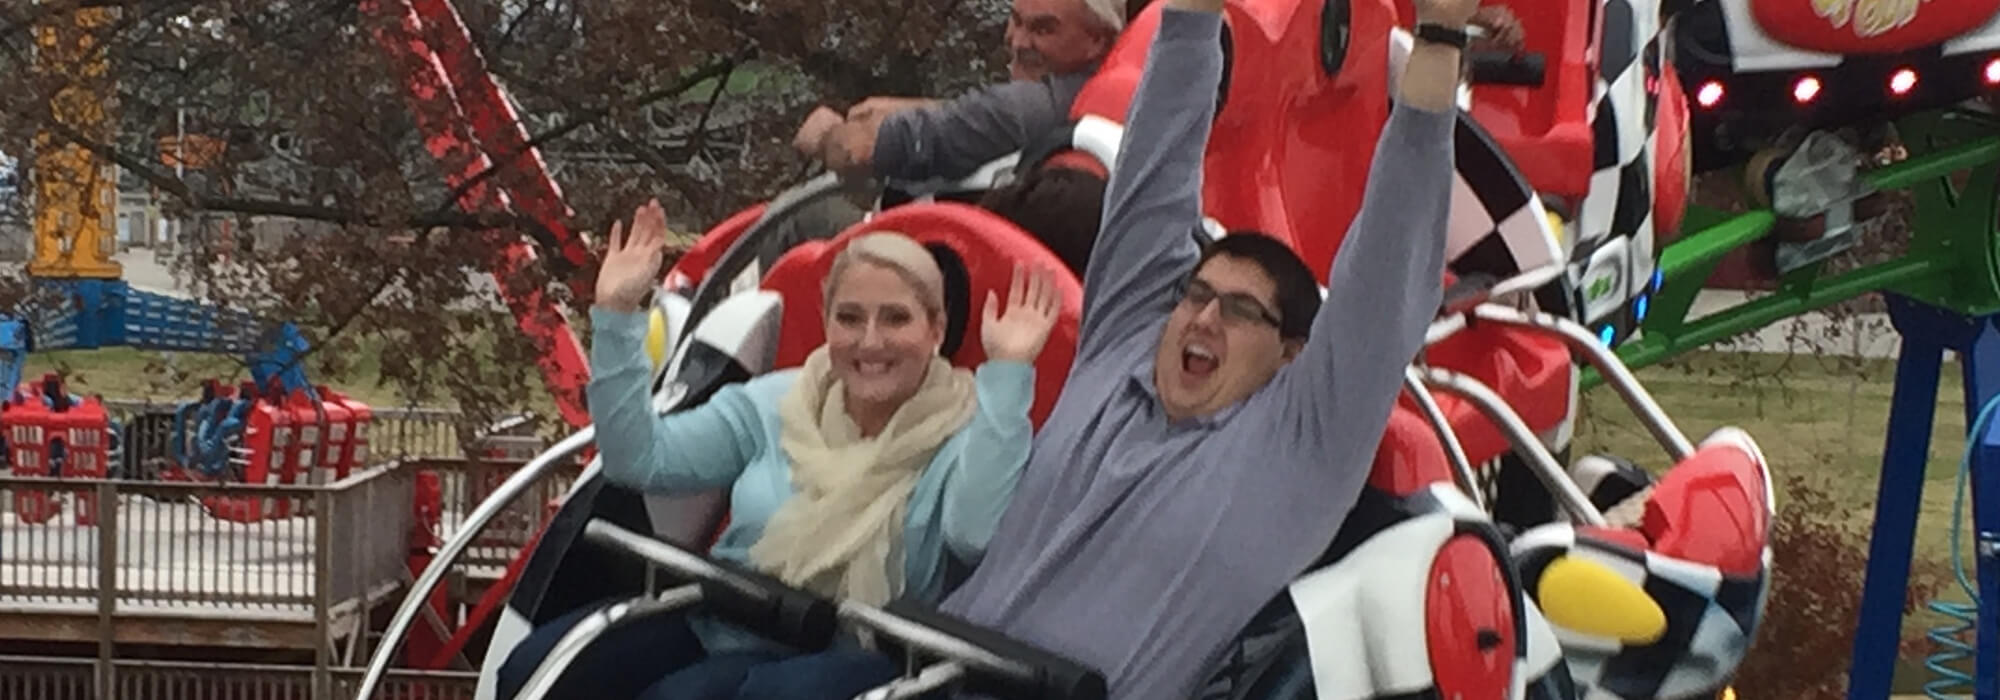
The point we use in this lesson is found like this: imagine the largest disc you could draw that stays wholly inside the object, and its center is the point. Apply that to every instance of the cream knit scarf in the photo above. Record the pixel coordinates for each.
(840, 534)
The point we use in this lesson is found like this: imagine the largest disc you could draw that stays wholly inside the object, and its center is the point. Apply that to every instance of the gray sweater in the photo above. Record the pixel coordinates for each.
(951, 140)
(1142, 546)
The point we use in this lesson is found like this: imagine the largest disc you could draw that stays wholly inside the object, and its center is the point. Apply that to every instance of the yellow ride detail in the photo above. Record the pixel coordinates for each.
(1590, 598)
(76, 191)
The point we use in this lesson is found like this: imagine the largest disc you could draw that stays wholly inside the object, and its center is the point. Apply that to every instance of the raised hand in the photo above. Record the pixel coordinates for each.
(1018, 333)
(811, 137)
(632, 263)
(1450, 13)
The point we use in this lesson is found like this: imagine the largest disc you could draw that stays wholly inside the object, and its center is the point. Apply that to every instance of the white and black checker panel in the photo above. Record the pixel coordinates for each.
(1710, 619)
(1611, 244)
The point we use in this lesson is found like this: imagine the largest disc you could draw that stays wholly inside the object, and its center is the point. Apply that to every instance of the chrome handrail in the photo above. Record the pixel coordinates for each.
(448, 553)
(1544, 465)
(1461, 465)
(1615, 373)
(595, 625)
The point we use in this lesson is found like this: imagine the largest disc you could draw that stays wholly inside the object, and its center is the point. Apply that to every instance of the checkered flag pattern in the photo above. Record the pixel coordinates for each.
(1613, 236)
(1711, 619)
(1498, 226)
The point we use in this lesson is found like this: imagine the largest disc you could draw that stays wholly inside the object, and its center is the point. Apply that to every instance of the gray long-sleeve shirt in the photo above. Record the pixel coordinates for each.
(953, 139)
(1141, 546)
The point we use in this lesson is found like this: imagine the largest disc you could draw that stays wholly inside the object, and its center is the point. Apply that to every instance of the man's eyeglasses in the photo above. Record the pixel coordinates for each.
(1236, 306)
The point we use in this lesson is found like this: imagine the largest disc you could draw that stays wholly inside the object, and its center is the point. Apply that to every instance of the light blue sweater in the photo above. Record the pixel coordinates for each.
(732, 441)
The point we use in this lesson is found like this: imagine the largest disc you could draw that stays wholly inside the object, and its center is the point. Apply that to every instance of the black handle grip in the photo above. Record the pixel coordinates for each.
(768, 607)
(1508, 68)
(1049, 676)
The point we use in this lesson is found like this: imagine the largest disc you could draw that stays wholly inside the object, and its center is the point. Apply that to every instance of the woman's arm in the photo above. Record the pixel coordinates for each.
(990, 458)
(703, 447)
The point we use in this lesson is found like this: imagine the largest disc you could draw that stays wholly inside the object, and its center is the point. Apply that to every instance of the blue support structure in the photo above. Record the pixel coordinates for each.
(1927, 333)
(88, 314)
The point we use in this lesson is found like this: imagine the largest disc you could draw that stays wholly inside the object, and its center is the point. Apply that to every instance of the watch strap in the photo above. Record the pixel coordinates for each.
(1440, 34)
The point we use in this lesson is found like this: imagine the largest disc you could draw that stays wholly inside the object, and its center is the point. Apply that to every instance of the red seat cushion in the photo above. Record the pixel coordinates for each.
(986, 245)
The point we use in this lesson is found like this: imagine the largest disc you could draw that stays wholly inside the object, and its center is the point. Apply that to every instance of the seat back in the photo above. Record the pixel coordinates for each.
(693, 265)
(977, 251)
(1299, 120)
(1546, 129)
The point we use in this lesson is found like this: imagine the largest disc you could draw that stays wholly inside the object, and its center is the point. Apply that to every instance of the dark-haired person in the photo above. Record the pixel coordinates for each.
(1060, 205)
(1219, 421)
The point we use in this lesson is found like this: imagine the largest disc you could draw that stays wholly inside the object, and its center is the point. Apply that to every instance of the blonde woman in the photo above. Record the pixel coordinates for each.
(859, 476)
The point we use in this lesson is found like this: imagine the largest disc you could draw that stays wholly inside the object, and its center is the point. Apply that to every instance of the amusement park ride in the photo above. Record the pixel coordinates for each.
(1574, 159)
(276, 428)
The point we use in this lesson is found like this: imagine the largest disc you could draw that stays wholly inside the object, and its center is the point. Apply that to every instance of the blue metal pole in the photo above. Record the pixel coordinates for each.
(1899, 496)
(1982, 382)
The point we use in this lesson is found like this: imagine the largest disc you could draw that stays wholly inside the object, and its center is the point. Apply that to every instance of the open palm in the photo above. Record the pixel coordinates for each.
(632, 263)
(1018, 330)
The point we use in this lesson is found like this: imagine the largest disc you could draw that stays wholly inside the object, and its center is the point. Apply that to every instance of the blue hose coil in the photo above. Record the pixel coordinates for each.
(1948, 681)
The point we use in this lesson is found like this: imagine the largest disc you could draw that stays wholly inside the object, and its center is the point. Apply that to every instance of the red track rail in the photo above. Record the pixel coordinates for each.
(443, 119)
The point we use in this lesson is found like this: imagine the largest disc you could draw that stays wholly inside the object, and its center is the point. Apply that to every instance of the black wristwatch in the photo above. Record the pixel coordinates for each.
(1440, 34)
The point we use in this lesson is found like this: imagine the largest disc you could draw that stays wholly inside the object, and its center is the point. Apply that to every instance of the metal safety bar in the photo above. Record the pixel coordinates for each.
(970, 657)
(1614, 371)
(1539, 460)
(449, 552)
(1461, 465)
(1469, 294)
(595, 625)
(931, 678)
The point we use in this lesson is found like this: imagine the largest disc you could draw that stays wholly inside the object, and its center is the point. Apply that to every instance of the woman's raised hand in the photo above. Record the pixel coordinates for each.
(1018, 330)
(632, 263)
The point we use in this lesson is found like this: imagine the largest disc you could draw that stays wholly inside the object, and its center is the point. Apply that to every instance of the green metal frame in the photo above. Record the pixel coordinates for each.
(1952, 261)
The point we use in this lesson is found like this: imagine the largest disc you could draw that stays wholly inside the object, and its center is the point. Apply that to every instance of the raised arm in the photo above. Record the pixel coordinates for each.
(700, 448)
(703, 447)
(995, 444)
(924, 140)
(1385, 283)
(1152, 203)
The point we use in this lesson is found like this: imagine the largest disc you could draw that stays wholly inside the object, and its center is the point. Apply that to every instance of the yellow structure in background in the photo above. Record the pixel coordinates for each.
(76, 192)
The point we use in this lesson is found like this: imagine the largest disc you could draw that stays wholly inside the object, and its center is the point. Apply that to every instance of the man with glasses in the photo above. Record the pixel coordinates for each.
(1219, 422)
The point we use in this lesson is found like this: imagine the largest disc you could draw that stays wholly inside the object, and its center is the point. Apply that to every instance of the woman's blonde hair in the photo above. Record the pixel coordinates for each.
(899, 253)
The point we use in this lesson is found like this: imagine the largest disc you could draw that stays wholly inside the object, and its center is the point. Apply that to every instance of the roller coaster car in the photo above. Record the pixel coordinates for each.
(1482, 630)
(1756, 68)
(1418, 546)
(1628, 614)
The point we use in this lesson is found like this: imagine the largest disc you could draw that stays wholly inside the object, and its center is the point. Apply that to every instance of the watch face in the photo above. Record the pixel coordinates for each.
(1868, 26)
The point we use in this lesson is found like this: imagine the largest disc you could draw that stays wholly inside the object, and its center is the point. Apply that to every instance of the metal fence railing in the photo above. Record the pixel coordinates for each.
(42, 678)
(136, 547)
(124, 546)
(394, 433)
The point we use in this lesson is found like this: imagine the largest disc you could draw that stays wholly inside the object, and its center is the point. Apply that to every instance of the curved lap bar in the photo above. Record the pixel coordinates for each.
(503, 496)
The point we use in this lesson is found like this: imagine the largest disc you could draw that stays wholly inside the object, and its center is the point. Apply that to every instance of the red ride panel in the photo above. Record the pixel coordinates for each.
(692, 267)
(1410, 457)
(987, 244)
(1710, 509)
(1469, 622)
(1869, 26)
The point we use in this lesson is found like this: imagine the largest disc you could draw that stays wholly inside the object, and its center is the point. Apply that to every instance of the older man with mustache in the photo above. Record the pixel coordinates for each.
(1054, 46)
